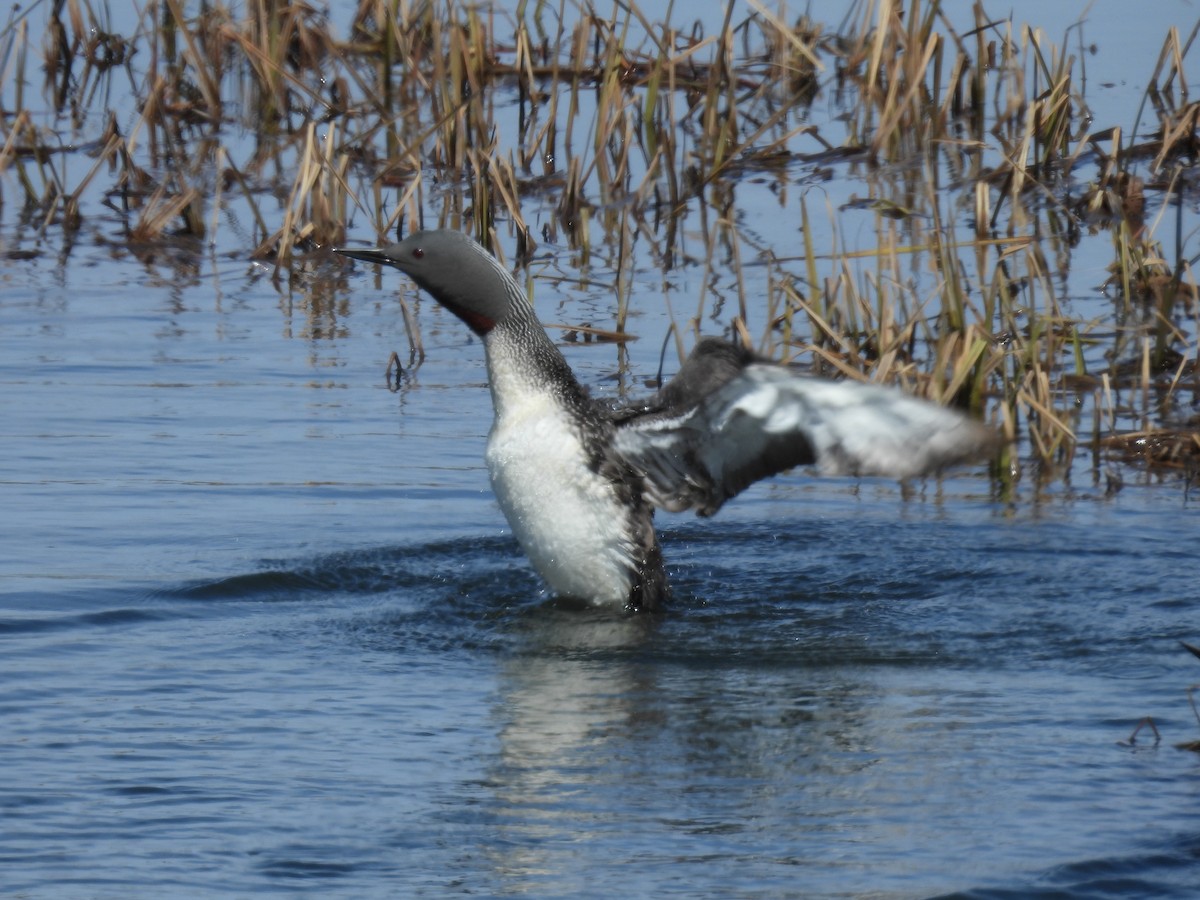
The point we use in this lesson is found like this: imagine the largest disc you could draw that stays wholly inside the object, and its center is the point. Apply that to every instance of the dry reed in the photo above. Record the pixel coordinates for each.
(974, 149)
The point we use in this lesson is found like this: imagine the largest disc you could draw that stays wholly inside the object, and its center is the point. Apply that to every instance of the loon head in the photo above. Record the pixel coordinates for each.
(458, 273)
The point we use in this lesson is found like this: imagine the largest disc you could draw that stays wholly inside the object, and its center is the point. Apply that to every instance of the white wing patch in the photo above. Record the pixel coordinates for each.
(767, 419)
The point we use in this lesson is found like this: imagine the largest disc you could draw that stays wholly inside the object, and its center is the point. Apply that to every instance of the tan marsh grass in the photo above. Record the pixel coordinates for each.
(974, 171)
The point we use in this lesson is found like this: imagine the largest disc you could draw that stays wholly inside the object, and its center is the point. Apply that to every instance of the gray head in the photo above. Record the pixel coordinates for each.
(458, 273)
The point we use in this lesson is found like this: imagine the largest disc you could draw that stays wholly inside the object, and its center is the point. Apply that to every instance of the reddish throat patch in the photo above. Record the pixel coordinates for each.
(477, 322)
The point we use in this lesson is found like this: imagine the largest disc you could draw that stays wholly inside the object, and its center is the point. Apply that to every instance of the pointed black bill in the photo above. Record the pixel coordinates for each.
(1194, 650)
(366, 254)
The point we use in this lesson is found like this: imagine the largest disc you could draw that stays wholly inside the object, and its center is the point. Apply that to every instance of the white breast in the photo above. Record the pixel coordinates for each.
(566, 517)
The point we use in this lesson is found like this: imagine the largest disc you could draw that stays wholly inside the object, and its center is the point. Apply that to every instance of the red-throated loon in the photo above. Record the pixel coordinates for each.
(578, 479)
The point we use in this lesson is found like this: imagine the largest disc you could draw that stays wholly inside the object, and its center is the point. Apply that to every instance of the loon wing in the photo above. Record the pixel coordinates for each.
(727, 420)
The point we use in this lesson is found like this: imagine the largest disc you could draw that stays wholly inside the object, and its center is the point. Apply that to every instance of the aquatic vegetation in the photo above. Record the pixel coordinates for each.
(967, 161)
(1148, 722)
(1192, 745)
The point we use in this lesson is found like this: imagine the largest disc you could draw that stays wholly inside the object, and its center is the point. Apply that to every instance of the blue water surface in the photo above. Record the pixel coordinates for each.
(263, 630)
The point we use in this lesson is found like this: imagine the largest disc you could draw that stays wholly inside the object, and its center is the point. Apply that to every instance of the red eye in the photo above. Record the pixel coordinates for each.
(418, 253)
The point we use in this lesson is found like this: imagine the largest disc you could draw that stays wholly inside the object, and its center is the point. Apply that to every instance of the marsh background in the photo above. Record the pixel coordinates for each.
(262, 627)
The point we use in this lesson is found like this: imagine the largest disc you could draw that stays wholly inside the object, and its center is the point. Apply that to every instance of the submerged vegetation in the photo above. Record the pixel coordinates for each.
(967, 159)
